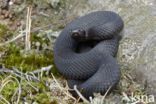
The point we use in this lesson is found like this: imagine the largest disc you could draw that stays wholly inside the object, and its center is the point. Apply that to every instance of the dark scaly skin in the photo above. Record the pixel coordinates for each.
(96, 69)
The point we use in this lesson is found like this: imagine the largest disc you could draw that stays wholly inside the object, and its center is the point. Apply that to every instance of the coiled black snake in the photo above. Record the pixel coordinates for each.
(84, 52)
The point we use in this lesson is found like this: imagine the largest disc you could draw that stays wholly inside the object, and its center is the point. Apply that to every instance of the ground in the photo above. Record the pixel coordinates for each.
(28, 74)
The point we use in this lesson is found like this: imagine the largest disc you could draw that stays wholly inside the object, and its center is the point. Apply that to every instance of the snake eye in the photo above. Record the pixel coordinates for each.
(75, 33)
(78, 33)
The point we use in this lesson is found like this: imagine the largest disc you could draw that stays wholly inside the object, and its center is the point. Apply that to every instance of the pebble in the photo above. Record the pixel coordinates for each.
(54, 3)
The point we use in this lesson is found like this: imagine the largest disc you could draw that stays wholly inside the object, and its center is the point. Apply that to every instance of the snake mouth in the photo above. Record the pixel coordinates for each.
(79, 35)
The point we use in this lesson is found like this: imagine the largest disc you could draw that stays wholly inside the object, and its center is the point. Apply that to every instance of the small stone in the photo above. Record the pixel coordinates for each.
(6, 15)
(37, 44)
(18, 23)
(10, 16)
(54, 3)
(11, 3)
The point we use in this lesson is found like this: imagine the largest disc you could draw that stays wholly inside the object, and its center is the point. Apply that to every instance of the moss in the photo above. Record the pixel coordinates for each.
(39, 38)
(27, 62)
(30, 2)
(9, 90)
(61, 5)
(4, 32)
(3, 29)
(45, 98)
(42, 91)
(54, 102)
(26, 89)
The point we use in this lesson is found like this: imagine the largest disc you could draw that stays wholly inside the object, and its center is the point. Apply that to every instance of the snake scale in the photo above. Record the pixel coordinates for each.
(84, 52)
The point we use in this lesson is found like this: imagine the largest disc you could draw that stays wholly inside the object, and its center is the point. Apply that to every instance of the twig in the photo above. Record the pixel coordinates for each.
(35, 88)
(125, 97)
(44, 14)
(3, 85)
(25, 75)
(18, 89)
(47, 68)
(12, 40)
(80, 95)
(62, 88)
(28, 29)
(1, 97)
(39, 72)
(39, 28)
(99, 101)
(9, 79)
(18, 74)
(106, 93)
(22, 34)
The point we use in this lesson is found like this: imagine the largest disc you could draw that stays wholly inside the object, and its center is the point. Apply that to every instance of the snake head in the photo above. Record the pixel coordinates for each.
(79, 35)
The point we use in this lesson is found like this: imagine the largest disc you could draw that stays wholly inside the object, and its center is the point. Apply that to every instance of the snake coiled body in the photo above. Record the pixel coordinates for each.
(84, 52)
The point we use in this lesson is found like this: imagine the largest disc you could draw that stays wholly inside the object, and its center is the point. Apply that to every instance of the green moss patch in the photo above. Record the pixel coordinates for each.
(27, 62)
(5, 33)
